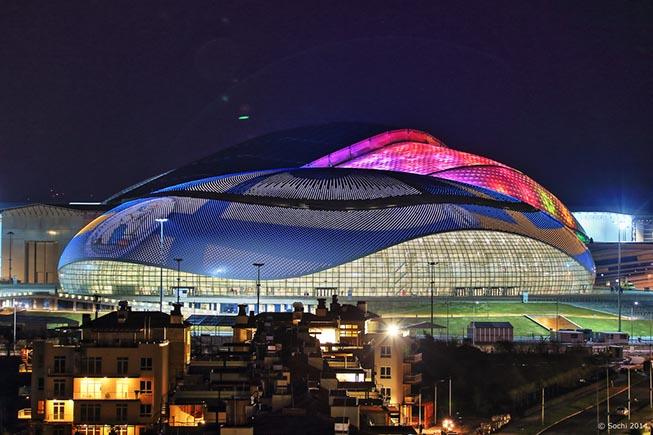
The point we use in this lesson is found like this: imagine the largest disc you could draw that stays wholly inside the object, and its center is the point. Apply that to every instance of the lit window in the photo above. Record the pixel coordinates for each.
(58, 410)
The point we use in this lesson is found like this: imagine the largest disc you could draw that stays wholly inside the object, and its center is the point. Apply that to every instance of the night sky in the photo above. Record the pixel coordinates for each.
(95, 96)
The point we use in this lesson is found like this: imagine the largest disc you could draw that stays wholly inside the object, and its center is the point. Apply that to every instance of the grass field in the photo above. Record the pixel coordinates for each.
(461, 313)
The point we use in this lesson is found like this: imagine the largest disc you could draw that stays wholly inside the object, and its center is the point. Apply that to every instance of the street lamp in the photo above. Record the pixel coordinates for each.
(178, 260)
(13, 302)
(435, 400)
(431, 265)
(632, 318)
(11, 244)
(161, 221)
(258, 285)
(622, 226)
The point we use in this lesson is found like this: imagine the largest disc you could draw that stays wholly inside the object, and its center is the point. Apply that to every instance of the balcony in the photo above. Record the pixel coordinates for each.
(108, 395)
(413, 359)
(413, 379)
(67, 371)
(411, 399)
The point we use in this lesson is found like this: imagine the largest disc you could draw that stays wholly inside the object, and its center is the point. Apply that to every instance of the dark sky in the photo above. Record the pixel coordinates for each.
(95, 96)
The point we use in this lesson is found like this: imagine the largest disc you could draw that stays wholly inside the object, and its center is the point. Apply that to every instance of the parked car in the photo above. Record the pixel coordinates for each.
(623, 411)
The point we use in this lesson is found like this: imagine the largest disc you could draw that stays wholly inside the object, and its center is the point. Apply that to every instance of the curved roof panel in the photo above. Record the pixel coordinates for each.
(419, 153)
(222, 225)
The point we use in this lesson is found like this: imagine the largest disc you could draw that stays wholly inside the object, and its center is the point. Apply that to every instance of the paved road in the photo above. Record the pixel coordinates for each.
(586, 421)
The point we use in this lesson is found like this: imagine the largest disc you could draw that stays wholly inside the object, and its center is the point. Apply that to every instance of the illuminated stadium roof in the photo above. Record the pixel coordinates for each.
(365, 217)
(420, 153)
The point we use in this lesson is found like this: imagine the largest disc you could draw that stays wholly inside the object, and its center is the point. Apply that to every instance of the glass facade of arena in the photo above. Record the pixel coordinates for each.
(468, 263)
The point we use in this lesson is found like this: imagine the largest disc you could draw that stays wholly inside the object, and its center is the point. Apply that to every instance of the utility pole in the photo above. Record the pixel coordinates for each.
(178, 260)
(435, 405)
(628, 394)
(447, 304)
(542, 406)
(598, 430)
(431, 265)
(11, 245)
(420, 412)
(258, 285)
(622, 225)
(607, 394)
(161, 221)
(450, 413)
(13, 302)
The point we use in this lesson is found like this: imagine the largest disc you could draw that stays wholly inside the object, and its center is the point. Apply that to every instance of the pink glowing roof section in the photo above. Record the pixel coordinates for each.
(512, 183)
(417, 152)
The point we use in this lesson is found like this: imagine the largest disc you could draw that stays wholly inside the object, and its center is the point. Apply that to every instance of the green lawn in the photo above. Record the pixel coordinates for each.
(639, 327)
(486, 309)
(522, 326)
(461, 313)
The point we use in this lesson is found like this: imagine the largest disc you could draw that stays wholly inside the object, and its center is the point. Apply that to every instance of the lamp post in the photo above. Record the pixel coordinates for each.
(258, 285)
(431, 265)
(650, 362)
(622, 226)
(13, 302)
(11, 244)
(435, 400)
(632, 318)
(161, 221)
(178, 260)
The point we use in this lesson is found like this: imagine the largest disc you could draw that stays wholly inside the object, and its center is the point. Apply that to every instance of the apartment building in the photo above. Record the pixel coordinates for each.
(397, 375)
(115, 379)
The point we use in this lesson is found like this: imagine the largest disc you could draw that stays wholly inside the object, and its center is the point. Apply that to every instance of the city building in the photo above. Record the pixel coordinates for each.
(489, 332)
(115, 379)
(622, 248)
(397, 375)
(391, 215)
(32, 237)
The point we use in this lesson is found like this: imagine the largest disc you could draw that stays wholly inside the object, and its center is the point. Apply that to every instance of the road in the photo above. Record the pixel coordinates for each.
(586, 421)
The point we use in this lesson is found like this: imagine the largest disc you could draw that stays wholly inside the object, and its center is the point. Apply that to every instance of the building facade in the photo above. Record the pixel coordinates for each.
(115, 380)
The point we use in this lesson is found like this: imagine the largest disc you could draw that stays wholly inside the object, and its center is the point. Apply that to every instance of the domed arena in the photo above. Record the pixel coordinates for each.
(393, 215)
